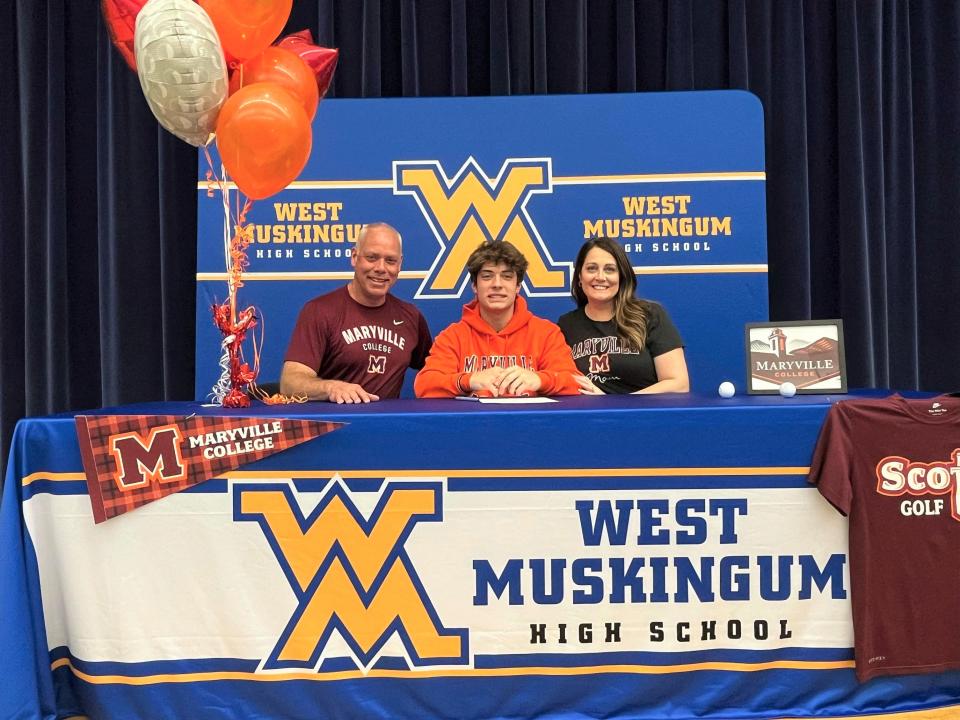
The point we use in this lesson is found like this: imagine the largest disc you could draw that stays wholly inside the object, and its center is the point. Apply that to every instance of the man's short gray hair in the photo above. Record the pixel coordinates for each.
(362, 236)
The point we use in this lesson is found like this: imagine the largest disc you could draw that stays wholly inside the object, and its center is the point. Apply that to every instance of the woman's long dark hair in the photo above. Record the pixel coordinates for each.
(629, 312)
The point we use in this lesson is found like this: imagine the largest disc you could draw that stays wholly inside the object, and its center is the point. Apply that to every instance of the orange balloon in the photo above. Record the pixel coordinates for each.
(247, 27)
(264, 138)
(284, 68)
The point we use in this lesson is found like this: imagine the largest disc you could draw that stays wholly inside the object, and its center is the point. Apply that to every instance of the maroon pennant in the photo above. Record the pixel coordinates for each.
(132, 460)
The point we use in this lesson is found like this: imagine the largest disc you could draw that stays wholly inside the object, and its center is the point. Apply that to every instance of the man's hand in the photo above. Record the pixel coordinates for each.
(344, 392)
(299, 379)
(488, 380)
(499, 381)
(519, 381)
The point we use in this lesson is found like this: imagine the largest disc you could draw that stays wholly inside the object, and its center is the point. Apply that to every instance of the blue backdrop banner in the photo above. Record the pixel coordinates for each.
(677, 178)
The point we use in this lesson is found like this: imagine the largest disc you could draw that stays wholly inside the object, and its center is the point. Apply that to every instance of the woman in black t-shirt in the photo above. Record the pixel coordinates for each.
(621, 344)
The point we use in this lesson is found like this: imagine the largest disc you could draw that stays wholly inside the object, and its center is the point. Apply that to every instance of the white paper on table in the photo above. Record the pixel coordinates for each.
(516, 400)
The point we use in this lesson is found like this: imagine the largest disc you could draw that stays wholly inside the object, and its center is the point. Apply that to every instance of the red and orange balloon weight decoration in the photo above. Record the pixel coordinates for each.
(264, 138)
(121, 18)
(247, 27)
(285, 69)
(322, 60)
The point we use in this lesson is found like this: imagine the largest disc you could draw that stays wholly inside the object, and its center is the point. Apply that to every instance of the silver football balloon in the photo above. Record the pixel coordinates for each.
(181, 67)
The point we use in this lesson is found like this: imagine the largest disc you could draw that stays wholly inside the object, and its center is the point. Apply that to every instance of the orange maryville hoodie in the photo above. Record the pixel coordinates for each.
(471, 345)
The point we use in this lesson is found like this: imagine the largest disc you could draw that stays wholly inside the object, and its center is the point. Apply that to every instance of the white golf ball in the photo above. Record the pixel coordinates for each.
(788, 389)
(726, 389)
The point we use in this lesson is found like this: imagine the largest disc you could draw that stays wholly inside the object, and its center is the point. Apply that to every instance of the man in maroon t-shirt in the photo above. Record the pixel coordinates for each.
(354, 344)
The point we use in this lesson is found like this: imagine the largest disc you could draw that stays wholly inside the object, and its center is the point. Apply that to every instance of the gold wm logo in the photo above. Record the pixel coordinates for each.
(352, 574)
(472, 208)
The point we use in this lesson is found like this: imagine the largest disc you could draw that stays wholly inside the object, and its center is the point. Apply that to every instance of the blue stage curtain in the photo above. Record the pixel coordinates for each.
(97, 205)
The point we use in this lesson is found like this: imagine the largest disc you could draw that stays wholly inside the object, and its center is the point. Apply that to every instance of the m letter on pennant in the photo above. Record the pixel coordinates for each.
(140, 460)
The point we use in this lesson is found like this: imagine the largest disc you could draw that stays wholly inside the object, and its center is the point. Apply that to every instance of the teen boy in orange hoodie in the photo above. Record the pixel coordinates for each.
(499, 348)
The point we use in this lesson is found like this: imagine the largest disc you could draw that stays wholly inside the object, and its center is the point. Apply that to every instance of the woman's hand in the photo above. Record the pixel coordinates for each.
(586, 386)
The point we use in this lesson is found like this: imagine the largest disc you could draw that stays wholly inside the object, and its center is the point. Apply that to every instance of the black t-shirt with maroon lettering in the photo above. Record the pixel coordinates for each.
(603, 357)
(892, 466)
(370, 346)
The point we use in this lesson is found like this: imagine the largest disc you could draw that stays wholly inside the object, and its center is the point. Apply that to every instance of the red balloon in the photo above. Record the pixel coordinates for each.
(264, 138)
(121, 17)
(284, 68)
(247, 27)
(322, 60)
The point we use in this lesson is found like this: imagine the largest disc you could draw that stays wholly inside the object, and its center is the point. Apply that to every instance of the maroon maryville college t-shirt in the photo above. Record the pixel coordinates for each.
(370, 346)
(892, 466)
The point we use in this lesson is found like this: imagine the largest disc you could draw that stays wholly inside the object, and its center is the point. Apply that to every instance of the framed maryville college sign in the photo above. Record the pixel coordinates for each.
(807, 353)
